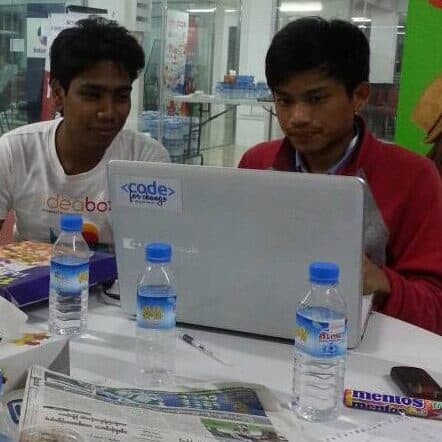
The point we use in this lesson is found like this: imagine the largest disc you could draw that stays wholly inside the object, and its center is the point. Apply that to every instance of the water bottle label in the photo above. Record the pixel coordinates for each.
(323, 339)
(68, 279)
(156, 312)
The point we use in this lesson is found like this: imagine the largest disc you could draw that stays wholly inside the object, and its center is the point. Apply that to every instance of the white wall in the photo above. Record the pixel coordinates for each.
(330, 9)
(223, 21)
(256, 32)
(383, 38)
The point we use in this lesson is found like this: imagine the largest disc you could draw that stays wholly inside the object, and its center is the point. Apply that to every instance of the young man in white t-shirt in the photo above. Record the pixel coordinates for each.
(59, 166)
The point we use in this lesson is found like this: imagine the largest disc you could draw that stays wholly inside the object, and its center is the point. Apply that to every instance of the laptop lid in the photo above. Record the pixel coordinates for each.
(242, 240)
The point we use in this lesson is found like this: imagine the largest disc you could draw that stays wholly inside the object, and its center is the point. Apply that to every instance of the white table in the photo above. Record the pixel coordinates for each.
(106, 354)
(215, 99)
(205, 101)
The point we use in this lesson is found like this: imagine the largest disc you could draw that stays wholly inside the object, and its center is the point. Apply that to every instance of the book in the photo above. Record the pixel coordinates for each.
(24, 271)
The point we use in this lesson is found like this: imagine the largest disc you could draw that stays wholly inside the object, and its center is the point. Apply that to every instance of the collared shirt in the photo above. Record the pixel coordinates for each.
(300, 166)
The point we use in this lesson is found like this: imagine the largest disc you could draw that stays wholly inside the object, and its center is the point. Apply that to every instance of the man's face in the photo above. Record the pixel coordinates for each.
(96, 105)
(315, 111)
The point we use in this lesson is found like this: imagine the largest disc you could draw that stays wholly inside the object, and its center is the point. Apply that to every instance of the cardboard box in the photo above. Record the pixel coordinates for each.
(33, 346)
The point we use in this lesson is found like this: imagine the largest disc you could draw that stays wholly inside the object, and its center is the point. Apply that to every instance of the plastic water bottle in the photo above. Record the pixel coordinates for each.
(185, 121)
(151, 123)
(69, 281)
(173, 139)
(194, 135)
(156, 318)
(320, 346)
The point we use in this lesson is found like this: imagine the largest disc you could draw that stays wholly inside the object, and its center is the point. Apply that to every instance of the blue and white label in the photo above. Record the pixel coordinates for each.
(69, 279)
(156, 312)
(320, 338)
(159, 193)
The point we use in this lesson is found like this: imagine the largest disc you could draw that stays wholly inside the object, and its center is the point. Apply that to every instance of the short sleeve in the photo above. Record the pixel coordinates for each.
(154, 151)
(6, 177)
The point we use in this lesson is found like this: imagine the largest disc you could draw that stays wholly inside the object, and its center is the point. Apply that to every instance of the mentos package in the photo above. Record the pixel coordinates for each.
(391, 403)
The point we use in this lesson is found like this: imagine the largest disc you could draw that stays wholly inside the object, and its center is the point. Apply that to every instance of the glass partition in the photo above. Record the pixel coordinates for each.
(194, 51)
(194, 44)
(22, 57)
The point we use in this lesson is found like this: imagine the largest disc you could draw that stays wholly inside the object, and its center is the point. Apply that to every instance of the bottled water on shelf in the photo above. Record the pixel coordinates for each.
(156, 316)
(173, 138)
(185, 121)
(262, 89)
(69, 279)
(151, 124)
(194, 134)
(320, 346)
(243, 86)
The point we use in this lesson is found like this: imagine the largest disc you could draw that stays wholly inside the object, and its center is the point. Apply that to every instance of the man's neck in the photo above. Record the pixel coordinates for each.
(73, 157)
(322, 162)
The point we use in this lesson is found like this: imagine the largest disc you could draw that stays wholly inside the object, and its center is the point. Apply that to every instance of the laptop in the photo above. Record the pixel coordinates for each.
(242, 240)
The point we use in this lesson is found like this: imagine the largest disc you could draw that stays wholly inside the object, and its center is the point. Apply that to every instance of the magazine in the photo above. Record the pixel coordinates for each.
(24, 271)
(54, 403)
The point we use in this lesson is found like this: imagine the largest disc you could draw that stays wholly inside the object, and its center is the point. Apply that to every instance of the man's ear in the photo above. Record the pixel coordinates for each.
(58, 95)
(361, 94)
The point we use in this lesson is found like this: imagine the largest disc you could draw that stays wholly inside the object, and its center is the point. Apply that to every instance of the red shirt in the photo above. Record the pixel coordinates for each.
(408, 191)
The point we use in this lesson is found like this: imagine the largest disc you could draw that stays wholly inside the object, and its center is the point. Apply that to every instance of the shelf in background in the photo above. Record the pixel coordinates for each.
(213, 99)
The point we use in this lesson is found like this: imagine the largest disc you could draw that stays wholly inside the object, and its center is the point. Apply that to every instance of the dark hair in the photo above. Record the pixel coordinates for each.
(90, 41)
(337, 46)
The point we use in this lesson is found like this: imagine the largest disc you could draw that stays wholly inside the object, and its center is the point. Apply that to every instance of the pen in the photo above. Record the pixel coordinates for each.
(194, 343)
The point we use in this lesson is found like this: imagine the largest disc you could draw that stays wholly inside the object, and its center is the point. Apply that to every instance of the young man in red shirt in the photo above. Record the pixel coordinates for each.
(318, 73)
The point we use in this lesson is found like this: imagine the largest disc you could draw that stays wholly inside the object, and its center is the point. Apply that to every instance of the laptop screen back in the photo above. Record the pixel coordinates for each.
(242, 240)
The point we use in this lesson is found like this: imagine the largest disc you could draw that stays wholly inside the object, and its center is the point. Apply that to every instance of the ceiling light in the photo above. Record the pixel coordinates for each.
(201, 11)
(361, 19)
(229, 10)
(301, 7)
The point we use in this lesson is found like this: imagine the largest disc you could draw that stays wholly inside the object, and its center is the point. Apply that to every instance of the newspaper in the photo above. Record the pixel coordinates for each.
(88, 412)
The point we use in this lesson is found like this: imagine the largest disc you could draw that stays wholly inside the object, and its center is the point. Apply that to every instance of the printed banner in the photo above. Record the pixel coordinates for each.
(175, 51)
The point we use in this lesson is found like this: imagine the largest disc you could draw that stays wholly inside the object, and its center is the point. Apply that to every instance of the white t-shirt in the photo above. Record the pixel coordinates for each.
(34, 184)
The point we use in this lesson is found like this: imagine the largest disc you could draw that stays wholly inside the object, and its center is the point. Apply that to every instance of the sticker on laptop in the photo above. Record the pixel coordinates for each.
(160, 193)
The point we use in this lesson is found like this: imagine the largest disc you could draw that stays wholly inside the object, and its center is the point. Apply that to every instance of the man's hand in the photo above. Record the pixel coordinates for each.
(375, 279)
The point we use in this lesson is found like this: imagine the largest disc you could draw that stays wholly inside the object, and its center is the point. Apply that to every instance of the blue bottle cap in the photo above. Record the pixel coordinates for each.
(324, 272)
(158, 252)
(70, 222)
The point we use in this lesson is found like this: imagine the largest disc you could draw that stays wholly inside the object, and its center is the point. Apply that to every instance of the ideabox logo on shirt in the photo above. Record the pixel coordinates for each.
(63, 204)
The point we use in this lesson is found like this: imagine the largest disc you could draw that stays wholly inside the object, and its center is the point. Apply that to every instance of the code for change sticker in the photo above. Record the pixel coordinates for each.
(158, 193)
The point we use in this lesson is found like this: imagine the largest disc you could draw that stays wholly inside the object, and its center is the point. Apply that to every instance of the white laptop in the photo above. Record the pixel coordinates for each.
(242, 240)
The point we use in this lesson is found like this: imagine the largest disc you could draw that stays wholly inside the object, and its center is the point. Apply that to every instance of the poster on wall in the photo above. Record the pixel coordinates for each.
(191, 56)
(175, 51)
(36, 37)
